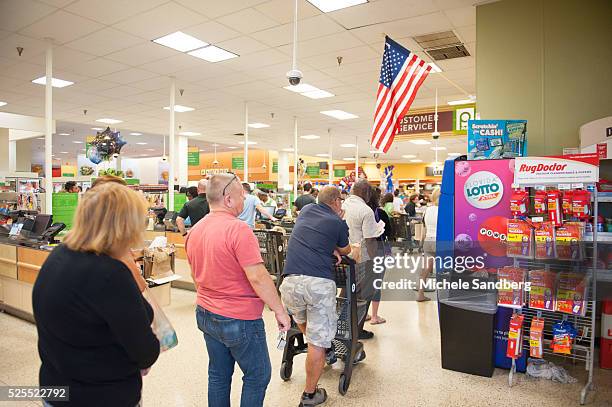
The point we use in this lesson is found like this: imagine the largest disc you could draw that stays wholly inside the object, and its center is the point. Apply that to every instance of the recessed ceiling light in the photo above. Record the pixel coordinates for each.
(349, 159)
(258, 125)
(416, 161)
(77, 142)
(347, 145)
(61, 134)
(212, 54)
(63, 152)
(3, 103)
(97, 128)
(301, 88)
(150, 149)
(189, 133)
(289, 150)
(250, 142)
(202, 150)
(376, 152)
(40, 138)
(454, 154)
(180, 42)
(57, 158)
(435, 68)
(56, 83)
(144, 155)
(420, 142)
(339, 114)
(142, 143)
(310, 137)
(327, 6)
(318, 94)
(135, 134)
(409, 156)
(461, 102)
(109, 121)
(180, 108)
(232, 147)
(438, 148)
(322, 155)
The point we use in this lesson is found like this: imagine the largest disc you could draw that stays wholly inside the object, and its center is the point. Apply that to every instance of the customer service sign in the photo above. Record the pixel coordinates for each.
(564, 169)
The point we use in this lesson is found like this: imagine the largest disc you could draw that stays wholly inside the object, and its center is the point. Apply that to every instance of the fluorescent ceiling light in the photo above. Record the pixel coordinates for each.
(420, 142)
(349, 159)
(347, 145)
(142, 143)
(249, 143)
(454, 154)
(232, 147)
(109, 121)
(301, 88)
(77, 142)
(258, 125)
(61, 134)
(144, 155)
(310, 137)
(63, 152)
(409, 156)
(460, 102)
(97, 128)
(135, 134)
(3, 103)
(289, 150)
(180, 42)
(212, 54)
(416, 161)
(318, 94)
(189, 133)
(180, 108)
(440, 148)
(56, 83)
(327, 6)
(150, 149)
(339, 114)
(435, 68)
(322, 155)
(202, 150)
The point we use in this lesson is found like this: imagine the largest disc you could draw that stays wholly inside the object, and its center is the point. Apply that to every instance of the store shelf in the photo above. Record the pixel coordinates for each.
(602, 237)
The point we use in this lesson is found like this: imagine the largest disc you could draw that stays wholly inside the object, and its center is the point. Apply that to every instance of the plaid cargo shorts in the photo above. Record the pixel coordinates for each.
(312, 300)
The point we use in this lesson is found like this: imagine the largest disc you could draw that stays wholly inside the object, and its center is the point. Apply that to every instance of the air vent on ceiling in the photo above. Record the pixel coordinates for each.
(442, 45)
(238, 134)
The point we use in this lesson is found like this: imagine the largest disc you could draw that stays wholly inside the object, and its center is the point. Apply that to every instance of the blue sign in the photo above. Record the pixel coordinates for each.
(496, 139)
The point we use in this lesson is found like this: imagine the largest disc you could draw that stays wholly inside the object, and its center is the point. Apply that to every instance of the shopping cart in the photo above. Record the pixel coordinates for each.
(346, 345)
(272, 248)
(403, 232)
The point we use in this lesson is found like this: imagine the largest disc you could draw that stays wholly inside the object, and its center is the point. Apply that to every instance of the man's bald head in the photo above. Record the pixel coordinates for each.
(202, 184)
(362, 189)
(328, 195)
(217, 183)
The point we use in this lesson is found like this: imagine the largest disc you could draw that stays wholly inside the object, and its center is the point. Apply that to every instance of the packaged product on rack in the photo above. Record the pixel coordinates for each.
(568, 238)
(519, 203)
(515, 336)
(567, 202)
(564, 333)
(541, 294)
(536, 333)
(539, 202)
(554, 207)
(511, 294)
(519, 238)
(545, 240)
(581, 204)
(571, 293)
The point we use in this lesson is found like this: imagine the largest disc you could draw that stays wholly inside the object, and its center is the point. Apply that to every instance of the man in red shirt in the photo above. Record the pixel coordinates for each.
(232, 286)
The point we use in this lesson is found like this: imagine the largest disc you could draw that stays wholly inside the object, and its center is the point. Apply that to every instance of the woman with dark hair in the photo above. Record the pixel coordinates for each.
(383, 248)
(387, 203)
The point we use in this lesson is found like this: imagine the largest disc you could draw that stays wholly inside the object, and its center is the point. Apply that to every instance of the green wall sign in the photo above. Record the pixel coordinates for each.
(313, 170)
(275, 167)
(339, 173)
(193, 157)
(237, 163)
(64, 207)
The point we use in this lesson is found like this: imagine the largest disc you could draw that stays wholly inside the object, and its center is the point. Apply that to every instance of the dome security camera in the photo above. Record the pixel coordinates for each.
(435, 135)
(115, 155)
(164, 158)
(294, 76)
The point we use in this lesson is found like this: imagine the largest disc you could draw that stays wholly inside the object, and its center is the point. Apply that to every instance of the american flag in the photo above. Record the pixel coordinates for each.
(401, 74)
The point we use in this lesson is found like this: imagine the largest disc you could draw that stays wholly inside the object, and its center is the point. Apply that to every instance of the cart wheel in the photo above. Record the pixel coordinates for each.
(343, 385)
(359, 356)
(286, 370)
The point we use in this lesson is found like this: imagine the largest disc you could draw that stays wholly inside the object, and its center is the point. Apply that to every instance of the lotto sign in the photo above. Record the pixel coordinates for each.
(483, 190)
(577, 168)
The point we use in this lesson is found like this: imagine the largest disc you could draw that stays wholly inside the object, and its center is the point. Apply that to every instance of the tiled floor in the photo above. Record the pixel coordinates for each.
(402, 368)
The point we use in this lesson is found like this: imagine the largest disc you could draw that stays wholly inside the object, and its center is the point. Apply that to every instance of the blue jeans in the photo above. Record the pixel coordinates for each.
(229, 341)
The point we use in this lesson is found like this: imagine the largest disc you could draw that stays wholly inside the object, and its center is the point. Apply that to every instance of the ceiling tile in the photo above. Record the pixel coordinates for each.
(212, 32)
(466, 34)
(62, 27)
(462, 16)
(152, 84)
(408, 27)
(326, 44)
(110, 12)
(16, 14)
(457, 63)
(248, 21)
(97, 67)
(141, 54)
(128, 76)
(57, 3)
(104, 42)
(216, 8)
(309, 28)
(96, 85)
(64, 57)
(349, 56)
(175, 63)
(160, 21)
(25, 71)
(258, 59)
(7, 82)
(31, 47)
(242, 45)
(382, 11)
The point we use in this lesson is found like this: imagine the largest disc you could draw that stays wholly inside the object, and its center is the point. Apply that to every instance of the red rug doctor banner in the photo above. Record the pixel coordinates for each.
(482, 207)
(564, 169)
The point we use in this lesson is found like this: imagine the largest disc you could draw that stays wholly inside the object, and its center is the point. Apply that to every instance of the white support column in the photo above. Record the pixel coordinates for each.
(356, 158)
(283, 170)
(295, 157)
(172, 142)
(181, 168)
(246, 142)
(49, 129)
(12, 156)
(331, 158)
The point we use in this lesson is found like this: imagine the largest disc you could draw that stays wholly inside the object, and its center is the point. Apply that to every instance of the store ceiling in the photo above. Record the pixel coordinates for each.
(105, 48)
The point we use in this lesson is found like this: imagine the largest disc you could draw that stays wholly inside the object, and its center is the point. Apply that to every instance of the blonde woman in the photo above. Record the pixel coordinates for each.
(429, 246)
(94, 326)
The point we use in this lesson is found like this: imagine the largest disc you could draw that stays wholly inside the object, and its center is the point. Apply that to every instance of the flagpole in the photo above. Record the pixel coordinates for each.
(435, 134)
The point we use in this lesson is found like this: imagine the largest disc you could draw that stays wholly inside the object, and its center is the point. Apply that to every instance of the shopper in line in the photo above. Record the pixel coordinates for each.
(387, 204)
(382, 248)
(264, 196)
(252, 205)
(303, 200)
(397, 201)
(412, 205)
(71, 187)
(363, 231)
(309, 289)
(232, 286)
(94, 326)
(429, 245)
(195, 210)
(105, 179)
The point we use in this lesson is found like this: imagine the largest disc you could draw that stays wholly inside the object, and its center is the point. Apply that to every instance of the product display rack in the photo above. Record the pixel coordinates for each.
(583, 348)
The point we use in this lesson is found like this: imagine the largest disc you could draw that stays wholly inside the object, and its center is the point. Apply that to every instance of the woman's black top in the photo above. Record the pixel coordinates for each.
(94, 329)
(411, 209)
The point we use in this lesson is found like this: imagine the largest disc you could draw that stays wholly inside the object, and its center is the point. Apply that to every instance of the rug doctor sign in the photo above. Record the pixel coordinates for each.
(566, 169)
